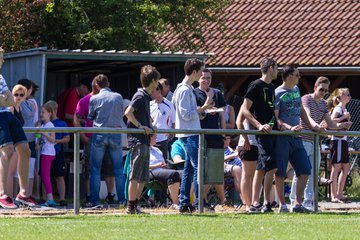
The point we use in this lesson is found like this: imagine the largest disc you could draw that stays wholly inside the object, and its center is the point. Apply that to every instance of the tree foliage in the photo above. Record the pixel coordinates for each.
(106, 24)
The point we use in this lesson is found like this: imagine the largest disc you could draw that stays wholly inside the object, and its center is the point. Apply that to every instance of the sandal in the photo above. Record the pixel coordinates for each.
(345, 200)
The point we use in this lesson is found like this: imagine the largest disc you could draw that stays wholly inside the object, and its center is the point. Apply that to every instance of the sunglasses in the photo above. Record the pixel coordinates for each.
(323, 90)
(19, 95)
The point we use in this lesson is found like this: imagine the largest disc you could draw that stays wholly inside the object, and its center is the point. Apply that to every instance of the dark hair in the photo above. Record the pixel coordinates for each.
(159, 87)
(87, 82)
(165, 81)
(208, 71)
(101, 80)
(192, 64)
(266, 63)
(29, 84)
(148, 74)
(321, 80)
(288, 70)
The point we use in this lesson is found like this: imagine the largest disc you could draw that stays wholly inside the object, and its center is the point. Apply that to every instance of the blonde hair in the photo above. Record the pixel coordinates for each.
(334, 98)
(19, 87)
(52, 105)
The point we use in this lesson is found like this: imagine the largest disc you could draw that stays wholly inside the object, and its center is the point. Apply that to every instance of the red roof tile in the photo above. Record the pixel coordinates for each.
(308, 32)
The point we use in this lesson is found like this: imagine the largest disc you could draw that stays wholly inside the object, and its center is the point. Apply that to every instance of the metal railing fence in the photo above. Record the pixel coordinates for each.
(77, 130)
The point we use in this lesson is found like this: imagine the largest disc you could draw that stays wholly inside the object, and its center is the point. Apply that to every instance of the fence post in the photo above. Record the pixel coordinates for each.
(316, 172)
(76, 172)
(200, 173)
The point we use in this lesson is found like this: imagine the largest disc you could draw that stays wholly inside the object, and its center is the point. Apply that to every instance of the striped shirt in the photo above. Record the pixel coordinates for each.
(317, 112)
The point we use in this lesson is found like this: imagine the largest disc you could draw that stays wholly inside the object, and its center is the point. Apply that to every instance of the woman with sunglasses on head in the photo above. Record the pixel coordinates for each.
(339, 147)
(18, 93)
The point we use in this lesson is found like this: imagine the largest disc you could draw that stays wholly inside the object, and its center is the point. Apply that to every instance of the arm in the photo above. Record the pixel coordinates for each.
(231, 123)
(50, 137)
(231, 156)
(129, 113)
(63, 140)
(158, 165)
(245, 110)
(7, 99)
(240, 125)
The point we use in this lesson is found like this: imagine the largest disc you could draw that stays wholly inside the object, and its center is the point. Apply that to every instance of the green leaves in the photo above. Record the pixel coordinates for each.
(106, 24)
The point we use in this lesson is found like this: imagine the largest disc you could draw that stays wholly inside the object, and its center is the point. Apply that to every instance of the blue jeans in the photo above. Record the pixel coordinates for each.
(191, 145)
(99, 144)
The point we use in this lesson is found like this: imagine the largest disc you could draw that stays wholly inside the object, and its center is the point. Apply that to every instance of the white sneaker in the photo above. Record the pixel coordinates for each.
(283, 209)
(174, 207)
(308, 204)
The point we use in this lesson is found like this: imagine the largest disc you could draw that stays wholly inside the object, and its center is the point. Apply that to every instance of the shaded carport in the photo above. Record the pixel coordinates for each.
(55, 70)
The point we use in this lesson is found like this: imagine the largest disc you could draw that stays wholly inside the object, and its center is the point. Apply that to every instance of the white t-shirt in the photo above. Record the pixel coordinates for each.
(252, 138)
(340, 112)
(46, 147)
(156, 157)
(163, 115)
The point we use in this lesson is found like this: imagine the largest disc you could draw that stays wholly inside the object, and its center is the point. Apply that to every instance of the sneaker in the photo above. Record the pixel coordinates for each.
(90, 205)
(308, 204)
(174, 207)
(300, 209)
(63, 203)
(7, 203)
(255, 208)
(25, 200)
(283, 209)
(188, 208)
(49, 203)
(266, 208)
(110, 198)
(208, 207)
(138, 210)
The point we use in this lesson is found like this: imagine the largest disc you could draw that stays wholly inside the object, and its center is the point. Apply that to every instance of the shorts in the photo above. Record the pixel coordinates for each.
(32, 149)
(289, 148)
(166, 176)
(339, 151)
(249, 155)
(140, 160)
(58, 166)
(11, 131)
(266, 150)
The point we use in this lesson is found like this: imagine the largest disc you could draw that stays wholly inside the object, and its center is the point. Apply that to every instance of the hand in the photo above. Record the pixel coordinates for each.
(319, 128)
(346, 125)
(265, 128)
(296, 128)
(162, 164)
(147, 129)
(346, 115)
(247, 146)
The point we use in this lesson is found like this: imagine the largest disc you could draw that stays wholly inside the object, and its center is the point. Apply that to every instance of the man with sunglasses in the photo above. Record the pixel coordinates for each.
(316, 109)
(12, 137)
(288, 111)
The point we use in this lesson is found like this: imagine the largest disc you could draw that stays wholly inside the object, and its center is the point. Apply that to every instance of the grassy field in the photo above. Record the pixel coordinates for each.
(211, 226)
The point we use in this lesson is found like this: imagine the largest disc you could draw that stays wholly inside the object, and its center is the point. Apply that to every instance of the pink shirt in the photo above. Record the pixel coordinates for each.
(82, 111)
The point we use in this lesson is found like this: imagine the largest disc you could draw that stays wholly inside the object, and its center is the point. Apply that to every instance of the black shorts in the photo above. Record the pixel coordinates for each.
(58, 166)
(266, 150)
(249, 155)
(339, 151)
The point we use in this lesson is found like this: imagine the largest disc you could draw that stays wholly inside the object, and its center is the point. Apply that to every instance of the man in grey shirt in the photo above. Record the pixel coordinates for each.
(105, 110)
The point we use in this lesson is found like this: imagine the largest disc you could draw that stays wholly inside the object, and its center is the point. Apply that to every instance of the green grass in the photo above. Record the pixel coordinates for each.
(211, 226)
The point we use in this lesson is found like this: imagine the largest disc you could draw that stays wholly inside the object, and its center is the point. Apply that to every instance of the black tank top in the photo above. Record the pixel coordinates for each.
(19, 116)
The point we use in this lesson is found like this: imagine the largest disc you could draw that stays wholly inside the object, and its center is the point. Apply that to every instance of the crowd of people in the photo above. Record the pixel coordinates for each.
(254, 162)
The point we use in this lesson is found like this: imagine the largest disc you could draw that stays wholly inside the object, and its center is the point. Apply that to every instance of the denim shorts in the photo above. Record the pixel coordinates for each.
(289, 148)
(11, 131)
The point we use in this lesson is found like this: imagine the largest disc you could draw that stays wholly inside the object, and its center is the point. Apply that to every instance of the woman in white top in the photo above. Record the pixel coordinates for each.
(339, 146)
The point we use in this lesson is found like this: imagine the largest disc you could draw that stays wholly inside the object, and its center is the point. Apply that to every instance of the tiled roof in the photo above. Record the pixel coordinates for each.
(307, 32)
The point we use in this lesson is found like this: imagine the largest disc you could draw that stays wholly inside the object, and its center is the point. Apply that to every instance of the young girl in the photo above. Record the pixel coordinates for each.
(46, 145)
(339, 146)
